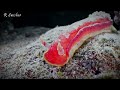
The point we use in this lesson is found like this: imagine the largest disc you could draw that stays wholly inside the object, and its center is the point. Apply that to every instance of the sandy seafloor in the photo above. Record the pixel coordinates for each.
(21, 57)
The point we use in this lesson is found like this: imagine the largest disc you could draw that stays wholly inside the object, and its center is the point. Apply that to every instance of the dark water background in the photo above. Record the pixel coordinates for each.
(45, 18)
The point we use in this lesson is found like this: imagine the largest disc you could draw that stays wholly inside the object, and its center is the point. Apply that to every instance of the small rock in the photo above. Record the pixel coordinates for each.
(97, 72)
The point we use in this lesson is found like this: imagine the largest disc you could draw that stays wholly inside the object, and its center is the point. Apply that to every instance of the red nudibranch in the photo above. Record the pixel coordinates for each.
(62, 49)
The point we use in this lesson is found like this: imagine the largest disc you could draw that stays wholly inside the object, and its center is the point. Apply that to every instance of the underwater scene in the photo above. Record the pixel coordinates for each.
(59, 45)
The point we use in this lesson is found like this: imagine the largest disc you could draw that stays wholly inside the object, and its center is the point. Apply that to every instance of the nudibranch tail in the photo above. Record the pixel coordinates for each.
(61, 50)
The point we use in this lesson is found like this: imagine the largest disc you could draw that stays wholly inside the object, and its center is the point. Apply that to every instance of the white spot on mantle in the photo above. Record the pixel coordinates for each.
(66, 35)
(60, 49)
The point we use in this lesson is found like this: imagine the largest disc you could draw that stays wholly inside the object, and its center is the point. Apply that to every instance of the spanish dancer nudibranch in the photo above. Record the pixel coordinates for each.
(64, 47)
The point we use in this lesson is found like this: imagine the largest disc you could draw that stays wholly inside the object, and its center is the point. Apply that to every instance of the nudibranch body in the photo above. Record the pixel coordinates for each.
(64, 47)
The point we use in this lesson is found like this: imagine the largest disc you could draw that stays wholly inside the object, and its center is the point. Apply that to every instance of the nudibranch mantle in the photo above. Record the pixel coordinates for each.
(63, 48)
